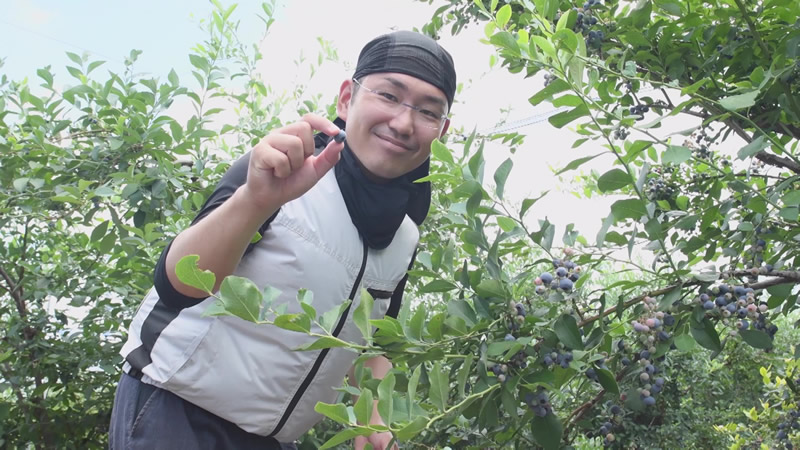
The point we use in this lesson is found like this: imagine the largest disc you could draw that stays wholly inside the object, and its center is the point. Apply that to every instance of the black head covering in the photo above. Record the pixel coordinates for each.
(409, 53)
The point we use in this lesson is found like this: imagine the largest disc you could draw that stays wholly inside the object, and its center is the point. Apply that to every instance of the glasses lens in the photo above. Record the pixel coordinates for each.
(390, 101)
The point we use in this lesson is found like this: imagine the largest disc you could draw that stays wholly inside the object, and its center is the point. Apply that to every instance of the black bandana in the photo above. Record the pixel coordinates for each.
(409, 53)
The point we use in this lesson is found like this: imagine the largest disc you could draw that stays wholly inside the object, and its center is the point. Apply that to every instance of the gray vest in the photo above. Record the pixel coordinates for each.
(248, 374)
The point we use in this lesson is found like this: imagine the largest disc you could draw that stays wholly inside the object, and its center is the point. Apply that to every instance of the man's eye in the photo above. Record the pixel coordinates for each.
(388, 96)
(430, 114)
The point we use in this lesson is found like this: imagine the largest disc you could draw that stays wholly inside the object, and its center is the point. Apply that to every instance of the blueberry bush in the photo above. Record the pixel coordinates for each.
(516, 332)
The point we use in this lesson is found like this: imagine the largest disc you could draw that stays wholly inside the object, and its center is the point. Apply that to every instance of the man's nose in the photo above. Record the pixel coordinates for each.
(403, 121)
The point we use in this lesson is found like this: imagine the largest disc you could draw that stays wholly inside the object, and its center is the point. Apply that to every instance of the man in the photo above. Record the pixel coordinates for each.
(192, 381)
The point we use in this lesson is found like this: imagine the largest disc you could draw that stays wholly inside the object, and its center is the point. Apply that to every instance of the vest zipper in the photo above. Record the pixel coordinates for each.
(321, 357)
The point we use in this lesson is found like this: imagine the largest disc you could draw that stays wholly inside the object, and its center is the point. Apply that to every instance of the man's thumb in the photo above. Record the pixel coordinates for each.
(328, 158)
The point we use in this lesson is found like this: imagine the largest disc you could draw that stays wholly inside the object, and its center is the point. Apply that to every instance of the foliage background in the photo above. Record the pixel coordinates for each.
(95, 180)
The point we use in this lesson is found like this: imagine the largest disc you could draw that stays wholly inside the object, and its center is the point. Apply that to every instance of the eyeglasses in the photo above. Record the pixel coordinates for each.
(391, 102)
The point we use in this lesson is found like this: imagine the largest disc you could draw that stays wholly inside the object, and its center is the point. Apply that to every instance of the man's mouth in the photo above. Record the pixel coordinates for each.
(394, 141)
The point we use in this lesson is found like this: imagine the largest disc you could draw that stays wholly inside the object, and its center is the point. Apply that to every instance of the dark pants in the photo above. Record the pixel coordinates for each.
(147, 417)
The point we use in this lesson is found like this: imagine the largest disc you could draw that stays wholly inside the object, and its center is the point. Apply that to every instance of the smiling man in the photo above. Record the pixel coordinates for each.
(192, 381)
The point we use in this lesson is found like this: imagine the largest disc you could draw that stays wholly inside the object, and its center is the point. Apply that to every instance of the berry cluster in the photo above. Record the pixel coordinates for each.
(539, 402)
(549, 78)
(658, 189)
(737, 303)
(639, 111)
(621, 133)
(566, 274)
(785, 428)
(500, 371)
(652, 327)
(556, 357)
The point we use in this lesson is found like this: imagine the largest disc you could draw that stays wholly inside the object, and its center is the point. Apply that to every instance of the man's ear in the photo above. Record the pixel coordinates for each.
(446, 126)
(345, 96)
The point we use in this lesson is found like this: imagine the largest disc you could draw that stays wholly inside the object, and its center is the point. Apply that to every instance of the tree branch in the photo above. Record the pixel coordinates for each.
(781, 277)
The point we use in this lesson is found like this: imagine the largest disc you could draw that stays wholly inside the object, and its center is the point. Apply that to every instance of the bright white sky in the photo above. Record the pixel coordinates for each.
(35, 33)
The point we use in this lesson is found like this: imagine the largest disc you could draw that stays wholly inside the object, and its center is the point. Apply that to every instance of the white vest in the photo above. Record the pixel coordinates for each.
(248, 374)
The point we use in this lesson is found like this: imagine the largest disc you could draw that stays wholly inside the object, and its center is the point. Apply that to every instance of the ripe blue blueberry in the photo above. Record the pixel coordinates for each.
(510, 337)
(561, 272)
(739, 291)
(546, 278)
(669, 320)
(616, 410)
(649, 401)
(565, 284)
(340, 137)
(708, 305)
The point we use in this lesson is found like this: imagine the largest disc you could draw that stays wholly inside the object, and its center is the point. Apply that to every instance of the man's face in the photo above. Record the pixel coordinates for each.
(390, 142)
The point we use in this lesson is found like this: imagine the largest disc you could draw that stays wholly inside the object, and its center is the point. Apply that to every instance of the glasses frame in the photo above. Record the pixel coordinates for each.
(442, 118)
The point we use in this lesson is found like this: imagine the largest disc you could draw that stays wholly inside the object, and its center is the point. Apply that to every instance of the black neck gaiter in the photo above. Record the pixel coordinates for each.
(378, 209)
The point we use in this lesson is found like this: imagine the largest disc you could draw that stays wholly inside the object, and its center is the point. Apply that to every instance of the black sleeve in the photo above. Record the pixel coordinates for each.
(235, 177)
(397, 296)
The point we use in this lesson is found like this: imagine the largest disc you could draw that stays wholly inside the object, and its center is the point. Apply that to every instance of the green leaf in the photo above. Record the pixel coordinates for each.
(631, 208)
(99, 231)
(563, 118)
(545, 45)
(790, 213)
(411, 391)
(791, 198)
(331, 317)
(363, 314)
(640, 15)
(684, 342)
(506, 41)
(503, 15)
(409, 431)
(460, 308)
(241, 297)
(737, 102)
(438, 286)
(385, 398)
(416, 323)
(574, 164)
(190, 274)
(669, 298)
(20, 183)
(490, 288)
(501, 175)
(706, 335)
(441, 152)
(756, 339)
(614, 179)
(676, 155)
(346, 435)
(555, 87)
(463, 375)
(363, 407)
(547, 431)
(440, 386)
(321, 343)
(336, 412)
(753, 147)
(566, 328)
(256, 237)
(506, 223)
(607, 380)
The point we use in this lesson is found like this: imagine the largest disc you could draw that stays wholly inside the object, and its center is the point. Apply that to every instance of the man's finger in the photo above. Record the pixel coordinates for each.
(322, 124)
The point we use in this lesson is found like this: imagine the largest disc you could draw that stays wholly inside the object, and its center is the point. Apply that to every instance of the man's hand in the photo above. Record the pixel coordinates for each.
(379, 441)
(283, 166)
